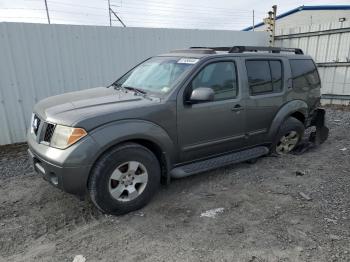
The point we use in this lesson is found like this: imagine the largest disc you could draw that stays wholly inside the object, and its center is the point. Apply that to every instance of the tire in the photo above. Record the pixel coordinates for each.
(124, 179)
(288, 137)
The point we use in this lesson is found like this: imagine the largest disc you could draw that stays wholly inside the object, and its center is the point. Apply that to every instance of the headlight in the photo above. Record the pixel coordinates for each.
(64, 136)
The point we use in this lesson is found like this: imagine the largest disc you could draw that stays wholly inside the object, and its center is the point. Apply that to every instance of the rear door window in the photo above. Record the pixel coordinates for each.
(304, 73)
(264, 76)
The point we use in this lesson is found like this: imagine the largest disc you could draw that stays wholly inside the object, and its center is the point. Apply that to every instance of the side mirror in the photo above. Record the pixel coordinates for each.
(202, 94)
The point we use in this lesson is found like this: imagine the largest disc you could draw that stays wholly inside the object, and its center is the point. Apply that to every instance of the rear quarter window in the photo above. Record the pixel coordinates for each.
(304, 73)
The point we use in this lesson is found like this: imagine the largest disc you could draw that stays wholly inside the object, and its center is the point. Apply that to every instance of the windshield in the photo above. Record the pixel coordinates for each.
(157, 74)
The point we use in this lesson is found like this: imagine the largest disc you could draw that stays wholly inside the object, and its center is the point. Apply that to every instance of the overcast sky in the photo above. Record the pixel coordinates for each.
(201, 14)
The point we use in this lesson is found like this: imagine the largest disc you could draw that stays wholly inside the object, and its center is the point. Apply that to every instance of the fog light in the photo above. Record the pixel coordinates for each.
(53, 179)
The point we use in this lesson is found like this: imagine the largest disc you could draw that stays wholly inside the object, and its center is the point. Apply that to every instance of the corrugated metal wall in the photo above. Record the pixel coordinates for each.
(329, 45)
(37, 61)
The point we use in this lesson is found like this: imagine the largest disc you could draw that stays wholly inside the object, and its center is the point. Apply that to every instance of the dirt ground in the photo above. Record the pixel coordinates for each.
(268, 212)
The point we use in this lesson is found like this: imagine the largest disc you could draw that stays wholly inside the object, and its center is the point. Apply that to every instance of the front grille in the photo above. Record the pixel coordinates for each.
(42, 129)
(50, 128)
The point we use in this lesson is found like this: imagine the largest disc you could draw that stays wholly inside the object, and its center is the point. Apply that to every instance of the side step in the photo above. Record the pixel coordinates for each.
(205, 165)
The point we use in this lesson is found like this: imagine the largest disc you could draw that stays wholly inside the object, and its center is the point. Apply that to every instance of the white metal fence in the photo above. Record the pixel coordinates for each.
(37, 61)
(329, 45)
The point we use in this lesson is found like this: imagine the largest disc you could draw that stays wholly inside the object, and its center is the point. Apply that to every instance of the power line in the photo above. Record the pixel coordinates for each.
(184, 10)
(159, 16)
(166, 24)
(128, 11)
(191, 7)
(26, 17)
(22, 8)
(161, 23)
(77, 13)
(177, 16)
(77, 5)
(160, 8)
(152, 12)
(184, 22)
(154, 19)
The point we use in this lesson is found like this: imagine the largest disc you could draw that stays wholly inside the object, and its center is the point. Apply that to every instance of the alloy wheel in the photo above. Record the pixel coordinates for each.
(128, 181)
(287, 142)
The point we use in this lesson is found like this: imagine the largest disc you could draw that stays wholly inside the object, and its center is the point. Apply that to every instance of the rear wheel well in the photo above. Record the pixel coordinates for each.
(298, 115)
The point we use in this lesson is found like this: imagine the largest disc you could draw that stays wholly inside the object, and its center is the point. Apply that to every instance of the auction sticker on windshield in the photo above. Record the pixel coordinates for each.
(187, 61)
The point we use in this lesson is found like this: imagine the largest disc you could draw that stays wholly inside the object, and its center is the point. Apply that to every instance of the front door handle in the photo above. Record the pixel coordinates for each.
(237, 108)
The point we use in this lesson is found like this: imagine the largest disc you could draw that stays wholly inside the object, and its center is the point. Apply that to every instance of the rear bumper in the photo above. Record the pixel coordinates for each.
(321, 133)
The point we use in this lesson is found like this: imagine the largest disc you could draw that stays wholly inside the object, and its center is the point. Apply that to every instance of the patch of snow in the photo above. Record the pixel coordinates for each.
(79, 258)
(212, 212)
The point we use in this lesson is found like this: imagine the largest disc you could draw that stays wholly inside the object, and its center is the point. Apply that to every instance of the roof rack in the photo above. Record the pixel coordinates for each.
(198, 50)
(222, 48)
(241, 49)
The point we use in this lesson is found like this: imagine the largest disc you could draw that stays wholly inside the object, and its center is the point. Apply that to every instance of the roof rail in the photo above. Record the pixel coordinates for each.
(221, 48)
(241, 49)
(199, 50)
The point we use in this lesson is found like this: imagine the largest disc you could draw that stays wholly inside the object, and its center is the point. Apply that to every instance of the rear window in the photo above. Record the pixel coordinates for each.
(304, 73)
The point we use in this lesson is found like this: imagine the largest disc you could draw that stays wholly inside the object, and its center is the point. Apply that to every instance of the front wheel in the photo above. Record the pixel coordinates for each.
(124, 179)
(288, 137)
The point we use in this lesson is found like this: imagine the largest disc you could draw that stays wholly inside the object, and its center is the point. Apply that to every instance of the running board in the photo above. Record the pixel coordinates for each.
(205, 165)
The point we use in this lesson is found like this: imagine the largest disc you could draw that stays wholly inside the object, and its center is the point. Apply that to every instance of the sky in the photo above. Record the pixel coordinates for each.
(198, 14)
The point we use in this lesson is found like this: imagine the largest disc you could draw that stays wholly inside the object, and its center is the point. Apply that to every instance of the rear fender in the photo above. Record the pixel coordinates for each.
(284, 112)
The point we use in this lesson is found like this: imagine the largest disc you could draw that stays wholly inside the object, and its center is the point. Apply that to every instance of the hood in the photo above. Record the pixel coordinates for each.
(100, 104)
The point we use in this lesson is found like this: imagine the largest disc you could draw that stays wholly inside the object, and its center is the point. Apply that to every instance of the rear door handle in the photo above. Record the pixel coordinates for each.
(237, 108)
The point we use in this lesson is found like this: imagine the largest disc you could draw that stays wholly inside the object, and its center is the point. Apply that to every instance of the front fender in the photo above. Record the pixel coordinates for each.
(117, 132)
(284, 112)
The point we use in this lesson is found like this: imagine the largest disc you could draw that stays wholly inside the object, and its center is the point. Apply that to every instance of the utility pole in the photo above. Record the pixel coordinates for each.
(270, 28)
(274, 10)
(109, 12)
(253, 20)
(270, 21)
(47, 12)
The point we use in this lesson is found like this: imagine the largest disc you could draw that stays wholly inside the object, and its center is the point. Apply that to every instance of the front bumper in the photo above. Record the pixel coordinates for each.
(67, 169)
(69, 179)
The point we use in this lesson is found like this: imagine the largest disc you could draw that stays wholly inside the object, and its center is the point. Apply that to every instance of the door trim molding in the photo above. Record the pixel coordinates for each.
(257, 132)
(211, 142)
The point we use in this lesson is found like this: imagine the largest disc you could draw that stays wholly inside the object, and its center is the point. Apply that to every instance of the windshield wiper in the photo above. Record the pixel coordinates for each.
(130, 88)
(135, 89)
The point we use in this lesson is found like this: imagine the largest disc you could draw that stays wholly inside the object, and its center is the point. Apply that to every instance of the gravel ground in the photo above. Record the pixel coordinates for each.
(261, 212)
